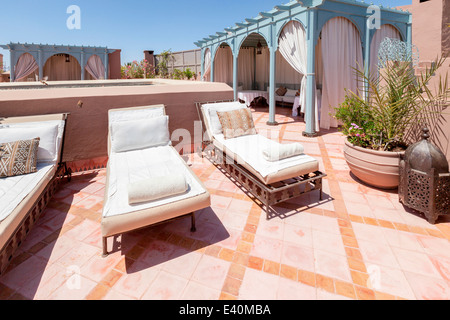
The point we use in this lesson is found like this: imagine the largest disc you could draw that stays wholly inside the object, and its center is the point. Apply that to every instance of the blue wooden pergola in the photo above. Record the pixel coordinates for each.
(43, 52)
(313, 15)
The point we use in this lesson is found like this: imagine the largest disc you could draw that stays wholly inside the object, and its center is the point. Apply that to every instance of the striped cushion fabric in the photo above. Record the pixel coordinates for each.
(237, 123)
(18, 158)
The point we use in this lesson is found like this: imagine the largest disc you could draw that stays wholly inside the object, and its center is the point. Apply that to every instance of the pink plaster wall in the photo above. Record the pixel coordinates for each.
(431, 35)
(87, 127)
(427, 27)
(114, 64)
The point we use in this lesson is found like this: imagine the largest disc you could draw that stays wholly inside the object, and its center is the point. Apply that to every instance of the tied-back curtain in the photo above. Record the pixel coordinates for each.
(292, 46)
(57, 69)
(25, 66)
(386, 31)
(223, 66)
(246, 68)
(95, 67)
(207, 63)
(341, 52)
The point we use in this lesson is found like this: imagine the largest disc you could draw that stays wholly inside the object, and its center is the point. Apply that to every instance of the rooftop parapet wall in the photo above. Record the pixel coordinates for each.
(87, 127)
(446, 28)
(427, 27)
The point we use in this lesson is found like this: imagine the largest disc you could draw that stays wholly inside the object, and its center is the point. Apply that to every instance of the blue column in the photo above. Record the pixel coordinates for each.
(106, 65)
(235, 75)
(83, 65)
(310, 115)
(272, 102)
(13, 66)
(41, 67)
(409, 35)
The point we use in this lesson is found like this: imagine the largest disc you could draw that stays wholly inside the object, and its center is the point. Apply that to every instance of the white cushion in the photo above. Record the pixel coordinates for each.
(156, 188)
(137, 114)
(277, 152)
(289, 99)
(215, 125)
(139, 134)
(49, 132)
(290, 93)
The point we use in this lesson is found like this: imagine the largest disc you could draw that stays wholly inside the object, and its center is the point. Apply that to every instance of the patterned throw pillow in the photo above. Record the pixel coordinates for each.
(18, 158)
(237, 123)
(281, 91)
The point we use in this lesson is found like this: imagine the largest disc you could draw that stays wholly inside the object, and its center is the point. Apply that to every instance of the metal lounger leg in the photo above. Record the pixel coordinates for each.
(193, 228)
(105, 247)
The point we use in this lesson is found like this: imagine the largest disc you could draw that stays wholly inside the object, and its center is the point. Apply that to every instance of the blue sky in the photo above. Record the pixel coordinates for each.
(131, 25)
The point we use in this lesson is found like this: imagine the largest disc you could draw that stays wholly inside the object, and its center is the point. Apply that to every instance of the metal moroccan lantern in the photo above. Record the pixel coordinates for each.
(425, 179)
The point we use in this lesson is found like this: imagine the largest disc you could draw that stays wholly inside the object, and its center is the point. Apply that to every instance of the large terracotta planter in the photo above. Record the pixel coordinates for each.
(379, 169)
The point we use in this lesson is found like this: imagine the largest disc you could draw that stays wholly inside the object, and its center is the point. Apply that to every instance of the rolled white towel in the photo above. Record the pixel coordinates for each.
(156, 188)
(278, 151)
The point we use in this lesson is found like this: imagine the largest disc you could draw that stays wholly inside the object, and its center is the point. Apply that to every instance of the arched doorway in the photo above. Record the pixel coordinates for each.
(95, 68)
(62, 67)
(26, 69)
(341, 53)
(253, 69)
(386, 31)
(207, 65)
(223, 65)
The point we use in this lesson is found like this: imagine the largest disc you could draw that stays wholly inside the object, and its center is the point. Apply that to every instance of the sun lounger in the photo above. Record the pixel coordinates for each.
(141, 158)
(243, 157)
(24, 197)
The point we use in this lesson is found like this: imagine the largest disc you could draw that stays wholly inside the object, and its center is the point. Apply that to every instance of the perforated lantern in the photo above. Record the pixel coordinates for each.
(425, 179)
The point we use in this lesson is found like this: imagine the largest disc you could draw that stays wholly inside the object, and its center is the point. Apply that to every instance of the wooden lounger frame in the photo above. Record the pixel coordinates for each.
(267, 194)
(18, 236)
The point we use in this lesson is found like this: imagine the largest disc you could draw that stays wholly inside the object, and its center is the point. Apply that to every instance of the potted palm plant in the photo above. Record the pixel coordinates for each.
(381, 119)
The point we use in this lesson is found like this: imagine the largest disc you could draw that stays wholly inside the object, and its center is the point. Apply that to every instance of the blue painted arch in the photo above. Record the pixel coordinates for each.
(242, 39)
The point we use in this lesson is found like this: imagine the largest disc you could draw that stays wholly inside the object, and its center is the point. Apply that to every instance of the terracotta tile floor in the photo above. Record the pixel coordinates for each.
(358, 243)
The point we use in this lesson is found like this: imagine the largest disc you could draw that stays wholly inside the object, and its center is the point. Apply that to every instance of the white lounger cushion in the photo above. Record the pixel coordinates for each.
(50, 133)
(14, 189)
(136, 114)
(250, 149)
(156, 188)
(133, 166)
(276, 152)
(212, 117)
(140, 134)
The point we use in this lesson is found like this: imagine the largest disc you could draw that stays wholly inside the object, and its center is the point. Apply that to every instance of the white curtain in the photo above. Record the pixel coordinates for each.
(341, 52)
(246, 68)
(285, 74)
(223, 66)
(58, 69)
(319, 63)
(95, 67)
(25, 66)
(292, 46)
(207, 64)
(262, 74)
(386, 31)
